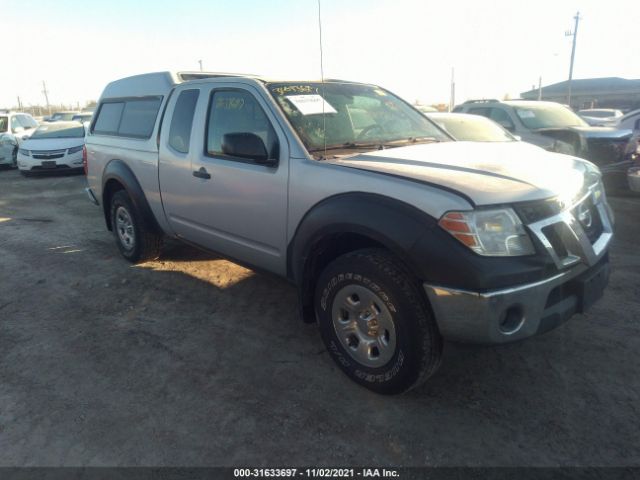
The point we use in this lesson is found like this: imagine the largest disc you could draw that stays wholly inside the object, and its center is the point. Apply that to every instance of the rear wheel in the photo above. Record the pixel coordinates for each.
(136, 241)
(14, 158)
(375, 324)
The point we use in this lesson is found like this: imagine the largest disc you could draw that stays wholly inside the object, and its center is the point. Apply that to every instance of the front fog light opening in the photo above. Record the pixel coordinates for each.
(512, 320)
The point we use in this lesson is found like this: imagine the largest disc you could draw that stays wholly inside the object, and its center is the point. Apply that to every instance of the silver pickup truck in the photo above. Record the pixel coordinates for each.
(396, 236)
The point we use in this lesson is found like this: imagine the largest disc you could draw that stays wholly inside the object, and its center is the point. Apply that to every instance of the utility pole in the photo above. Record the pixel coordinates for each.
(19, 104)
(452, 97)
(200, 62)
(573, 54)
(540, 88)
(46, 96)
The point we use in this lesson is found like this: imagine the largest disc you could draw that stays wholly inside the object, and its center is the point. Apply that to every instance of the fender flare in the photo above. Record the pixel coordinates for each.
(382, 221)
(119, 171)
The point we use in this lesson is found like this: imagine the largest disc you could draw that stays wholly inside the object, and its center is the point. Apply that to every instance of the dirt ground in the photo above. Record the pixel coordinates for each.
(192, 361)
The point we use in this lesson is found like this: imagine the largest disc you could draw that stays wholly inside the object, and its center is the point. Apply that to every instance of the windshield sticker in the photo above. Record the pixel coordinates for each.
(380, 92)
(526, 113)
(294, 89)
(310, 104)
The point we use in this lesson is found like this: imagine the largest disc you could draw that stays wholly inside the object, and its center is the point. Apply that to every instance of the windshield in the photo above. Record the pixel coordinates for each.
(356, 116)
(62, 116)
(472, 128)
(59, 130)
(548, 116)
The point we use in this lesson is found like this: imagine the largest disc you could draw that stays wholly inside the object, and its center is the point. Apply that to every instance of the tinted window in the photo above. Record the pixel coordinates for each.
(484, 111)
(182, 121)
(501, 117)
(109, 118)
(139, 118)
(238, 112)
(3, 124)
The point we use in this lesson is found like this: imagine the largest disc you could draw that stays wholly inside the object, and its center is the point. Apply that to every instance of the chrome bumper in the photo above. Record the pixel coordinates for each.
(506, 315)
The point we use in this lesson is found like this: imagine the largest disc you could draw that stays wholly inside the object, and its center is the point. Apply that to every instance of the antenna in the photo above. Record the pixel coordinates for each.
(324, 117)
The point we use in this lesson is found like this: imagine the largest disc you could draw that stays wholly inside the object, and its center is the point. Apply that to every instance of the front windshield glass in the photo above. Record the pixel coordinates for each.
(472, 128)
(356, 116)
(59, 130)
(548, 116)
(62, 116)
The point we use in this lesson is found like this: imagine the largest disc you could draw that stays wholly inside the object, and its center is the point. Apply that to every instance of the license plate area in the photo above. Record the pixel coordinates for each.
(591, 288)
(48, 164)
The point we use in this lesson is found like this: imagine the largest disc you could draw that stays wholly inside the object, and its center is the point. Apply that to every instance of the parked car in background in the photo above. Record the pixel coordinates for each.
(62, 116)
(54, 146)
(82, 117)
(601, 117)
(425, 108)
(471, 128)
(556, 128)
(630, 121)
(15, 127)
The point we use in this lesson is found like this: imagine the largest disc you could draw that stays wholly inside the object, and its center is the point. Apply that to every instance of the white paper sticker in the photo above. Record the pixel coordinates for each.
(310, 104)
(526, 113)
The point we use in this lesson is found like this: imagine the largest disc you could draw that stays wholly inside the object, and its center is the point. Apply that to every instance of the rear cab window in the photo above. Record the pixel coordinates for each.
(133, 118)
(182, 120)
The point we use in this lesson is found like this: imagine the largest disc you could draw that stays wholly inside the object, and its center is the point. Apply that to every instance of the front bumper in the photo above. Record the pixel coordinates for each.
(577, 240)
(513, 314)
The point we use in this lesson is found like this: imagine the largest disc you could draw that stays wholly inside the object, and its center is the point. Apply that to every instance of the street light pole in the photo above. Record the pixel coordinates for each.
(573, 54)
(200, 62)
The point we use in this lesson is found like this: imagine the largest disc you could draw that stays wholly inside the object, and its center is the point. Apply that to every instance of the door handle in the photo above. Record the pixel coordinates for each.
(202, 173)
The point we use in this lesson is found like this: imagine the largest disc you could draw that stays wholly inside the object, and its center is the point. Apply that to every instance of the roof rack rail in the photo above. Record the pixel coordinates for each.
(187, 76)
(482, 100)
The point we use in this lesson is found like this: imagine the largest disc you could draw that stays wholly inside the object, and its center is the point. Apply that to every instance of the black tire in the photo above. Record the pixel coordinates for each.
(146, 242)
(25, 173)
(14, 158)
(417, 348)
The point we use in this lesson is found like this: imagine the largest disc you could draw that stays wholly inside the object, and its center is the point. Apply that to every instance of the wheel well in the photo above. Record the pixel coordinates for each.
(110, 188)
(323, 252)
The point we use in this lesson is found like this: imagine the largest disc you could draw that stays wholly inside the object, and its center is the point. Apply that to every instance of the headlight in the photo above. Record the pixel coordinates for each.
(24, 152)
(495, 233)
(74, 150)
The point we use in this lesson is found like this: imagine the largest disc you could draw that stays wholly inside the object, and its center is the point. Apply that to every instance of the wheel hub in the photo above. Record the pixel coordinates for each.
(124, 228)
(364, 325)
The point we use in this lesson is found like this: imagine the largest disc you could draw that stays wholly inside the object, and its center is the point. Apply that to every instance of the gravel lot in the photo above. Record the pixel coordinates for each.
(193, 360)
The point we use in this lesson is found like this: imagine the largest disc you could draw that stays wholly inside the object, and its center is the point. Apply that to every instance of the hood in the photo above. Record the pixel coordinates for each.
(602, 132)
(486, 173)
(51, 143)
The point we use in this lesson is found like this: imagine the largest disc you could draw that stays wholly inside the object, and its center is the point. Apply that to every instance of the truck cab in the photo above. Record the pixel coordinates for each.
(396, 236)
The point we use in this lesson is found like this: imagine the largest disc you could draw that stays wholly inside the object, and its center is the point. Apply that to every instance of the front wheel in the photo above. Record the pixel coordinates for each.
(136, 241)
(374, 322)
(14, 158)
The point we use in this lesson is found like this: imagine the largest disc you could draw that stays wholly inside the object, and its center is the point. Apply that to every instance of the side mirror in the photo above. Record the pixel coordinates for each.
(246, 145)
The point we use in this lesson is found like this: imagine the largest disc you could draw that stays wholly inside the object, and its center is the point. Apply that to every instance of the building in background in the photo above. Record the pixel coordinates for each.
(608, 92)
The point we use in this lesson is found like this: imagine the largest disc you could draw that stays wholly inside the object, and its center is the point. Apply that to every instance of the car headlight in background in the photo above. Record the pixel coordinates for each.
(24, 152)
(495, 233)
(74, 150)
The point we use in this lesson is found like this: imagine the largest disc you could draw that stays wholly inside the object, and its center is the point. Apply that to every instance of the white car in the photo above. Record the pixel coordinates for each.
(53, 147)
(600, 117)
(14, 128)
(630, 121)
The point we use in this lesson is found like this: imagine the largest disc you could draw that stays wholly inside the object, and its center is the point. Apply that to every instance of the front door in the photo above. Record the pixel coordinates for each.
(235, 205)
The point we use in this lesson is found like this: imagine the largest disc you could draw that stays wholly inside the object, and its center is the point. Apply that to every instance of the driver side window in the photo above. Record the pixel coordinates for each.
(15, 124)
(237, 111)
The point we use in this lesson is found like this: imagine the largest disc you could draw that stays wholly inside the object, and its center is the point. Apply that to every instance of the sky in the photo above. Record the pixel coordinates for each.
(410, 47)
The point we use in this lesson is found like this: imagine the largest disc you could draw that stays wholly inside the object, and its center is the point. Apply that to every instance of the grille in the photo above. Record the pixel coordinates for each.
(47, 154)
(530, 212)
(587, 214)
(605, 150)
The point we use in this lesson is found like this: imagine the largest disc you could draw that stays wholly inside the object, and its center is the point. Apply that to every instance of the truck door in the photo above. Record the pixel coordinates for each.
(233, 202)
